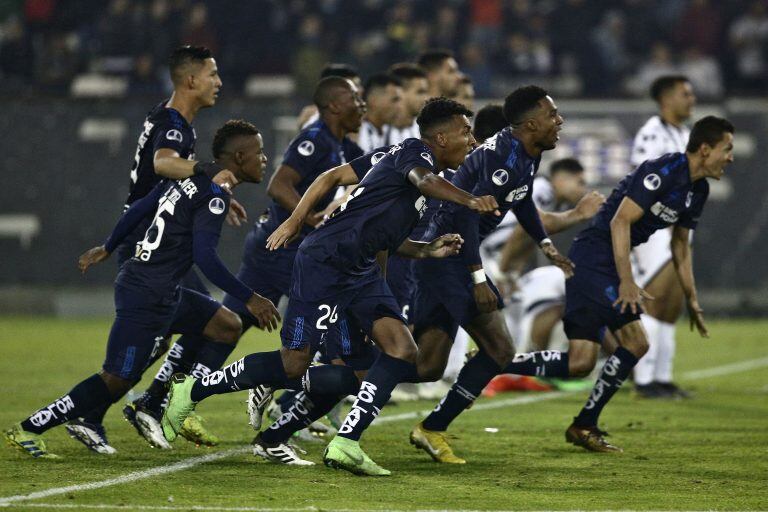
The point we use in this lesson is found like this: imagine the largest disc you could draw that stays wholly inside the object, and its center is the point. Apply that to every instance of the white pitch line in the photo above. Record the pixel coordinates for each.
(201, 508)
(716, 371)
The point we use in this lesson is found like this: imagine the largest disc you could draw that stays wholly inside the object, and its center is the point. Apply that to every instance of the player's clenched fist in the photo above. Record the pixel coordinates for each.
(484, 204)
(91, 257)
(444, 246)
(264, 311)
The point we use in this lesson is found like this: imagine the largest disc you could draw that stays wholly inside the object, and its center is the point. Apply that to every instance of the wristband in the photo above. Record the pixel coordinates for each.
(478, 276)
(545, 241)
(210, 169)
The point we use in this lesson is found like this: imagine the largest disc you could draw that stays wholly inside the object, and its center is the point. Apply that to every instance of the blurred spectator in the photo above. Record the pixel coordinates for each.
(144, 79)
(16, 56)
(749, 41)
(197, 30)
(59, 63)
(609, 39)
(658, 64)
(700, 26)
(703, 72)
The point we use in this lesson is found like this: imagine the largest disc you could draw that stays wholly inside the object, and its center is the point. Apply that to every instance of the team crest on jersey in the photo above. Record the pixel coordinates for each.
(174, 135)
(426, 156)
(306, 148)
(689, 199)
(652, 182)
(217, 206)
(500, 177)
(377, 157)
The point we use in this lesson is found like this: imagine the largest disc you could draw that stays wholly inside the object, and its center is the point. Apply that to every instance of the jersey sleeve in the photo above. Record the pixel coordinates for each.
(690, 218)
(353, 151)
(410, 157)
(646, 185)
(210, 212)
(169, 135)
(304, 154)
(362, 164)
(204, 255)
(131, 218)
(646, 146)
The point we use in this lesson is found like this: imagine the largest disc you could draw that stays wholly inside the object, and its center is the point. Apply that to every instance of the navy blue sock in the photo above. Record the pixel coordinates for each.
(475, 375)
(83, 398)
(545, 363)
(305, 409)
(386, 373)
(210, 358)
(616, 369)
(331, 379)
(254, 369)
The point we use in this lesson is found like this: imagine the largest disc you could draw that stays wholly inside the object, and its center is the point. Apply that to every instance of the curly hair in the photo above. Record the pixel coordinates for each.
(521, 101)
(231, 129)
(439, 110)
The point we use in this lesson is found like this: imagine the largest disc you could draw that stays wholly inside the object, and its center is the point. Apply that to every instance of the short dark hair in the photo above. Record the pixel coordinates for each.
(521, 101)
(183, 56)
(327, 88)
(665, 83)
(489, 120)
(433, 59)
(231, 129)
(437, 111)
(339, 69)
(708, 130)
(406, 71)
(569, 165)
(379, 81)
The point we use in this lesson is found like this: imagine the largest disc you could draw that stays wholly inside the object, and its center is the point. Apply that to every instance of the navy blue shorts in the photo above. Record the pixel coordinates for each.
(402, 283)
(351, 345)
(141, 323)
(268, 273)
(445, 295)
(591, 292)
(328, 307)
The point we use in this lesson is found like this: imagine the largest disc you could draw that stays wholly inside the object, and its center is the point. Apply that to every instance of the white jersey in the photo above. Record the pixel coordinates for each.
(657, 138)
(369, 137)
(398, 135)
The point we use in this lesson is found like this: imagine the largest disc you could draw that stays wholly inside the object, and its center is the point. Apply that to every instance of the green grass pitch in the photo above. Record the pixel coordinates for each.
(704, 454)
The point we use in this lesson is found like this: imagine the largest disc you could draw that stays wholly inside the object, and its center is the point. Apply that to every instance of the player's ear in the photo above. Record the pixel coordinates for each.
(441, 139)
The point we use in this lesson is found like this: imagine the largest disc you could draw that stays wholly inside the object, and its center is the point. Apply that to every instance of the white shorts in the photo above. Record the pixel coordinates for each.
(649, 258)
(539, 289)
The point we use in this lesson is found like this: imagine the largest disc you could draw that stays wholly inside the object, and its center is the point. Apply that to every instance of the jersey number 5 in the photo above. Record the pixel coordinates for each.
(154, 234)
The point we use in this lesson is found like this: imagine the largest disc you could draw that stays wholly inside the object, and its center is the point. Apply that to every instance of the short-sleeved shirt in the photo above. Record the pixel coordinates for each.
(382, 211)
(501, 168)
(164, 256)
(164, 128)
(312, 152)
(657, 138)
(663, 189)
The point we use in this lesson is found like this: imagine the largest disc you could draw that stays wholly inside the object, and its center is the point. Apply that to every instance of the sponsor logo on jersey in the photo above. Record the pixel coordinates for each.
(500, 177)
(426, 156)
(174, 135)
(217, 206)
(517, 194)
(306, 148)
(665, 213)
(652, 182)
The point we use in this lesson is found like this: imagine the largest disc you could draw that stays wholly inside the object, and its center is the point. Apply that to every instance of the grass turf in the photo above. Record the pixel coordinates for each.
(706, 453)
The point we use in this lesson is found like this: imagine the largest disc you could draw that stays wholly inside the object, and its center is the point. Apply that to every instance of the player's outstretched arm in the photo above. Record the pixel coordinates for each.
(630, 294)
(441, 247)
(585, 209)
(168, 164)
(432, 185)
(683, 261)
(327, 181)
(528, 216)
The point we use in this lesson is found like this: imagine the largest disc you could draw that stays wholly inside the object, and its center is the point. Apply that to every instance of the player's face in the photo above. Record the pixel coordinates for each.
(569, 187)
(207, 83)
(682, 100)
(389, 103)
(253, 160)
(466, 96)
(448, 78)
(415, 96)
(459, 141)
(351, 108)
(718, 157)
(548, 124)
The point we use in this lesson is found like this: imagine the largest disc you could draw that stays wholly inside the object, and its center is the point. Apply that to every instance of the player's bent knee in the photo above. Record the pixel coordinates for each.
(578, 368)
(229, 327)
(430, 372)
(295, 362)
(117, 385)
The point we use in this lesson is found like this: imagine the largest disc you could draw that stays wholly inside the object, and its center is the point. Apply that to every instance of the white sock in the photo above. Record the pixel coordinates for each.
(456, 358)
(666, 354)
(644, 369)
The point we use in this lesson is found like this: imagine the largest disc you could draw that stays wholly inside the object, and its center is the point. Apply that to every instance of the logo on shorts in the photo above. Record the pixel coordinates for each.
(689, 199)
(174, 135)
(217, 206)
(500, 177)
(652, 182)
(306, 148)
(426, 156)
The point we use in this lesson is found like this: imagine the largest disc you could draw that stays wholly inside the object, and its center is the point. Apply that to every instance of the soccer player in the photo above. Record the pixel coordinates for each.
(668, 191)
(465, 92)
(654, 270)
(456, 291)
(187, 215)
(383, 97)
(442, 72)
(415, 94)
(166, 149)
(336, 277)
(310, 114)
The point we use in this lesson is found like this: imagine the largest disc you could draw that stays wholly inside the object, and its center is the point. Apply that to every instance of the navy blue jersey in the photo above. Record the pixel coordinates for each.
(501, 168)
(185, 209)
(163, 128)
(431, 208)
(381, 212)
(663, 189)
(312, 152)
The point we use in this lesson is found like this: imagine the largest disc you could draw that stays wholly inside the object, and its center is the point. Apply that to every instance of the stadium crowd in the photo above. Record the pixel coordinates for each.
(575, 47)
